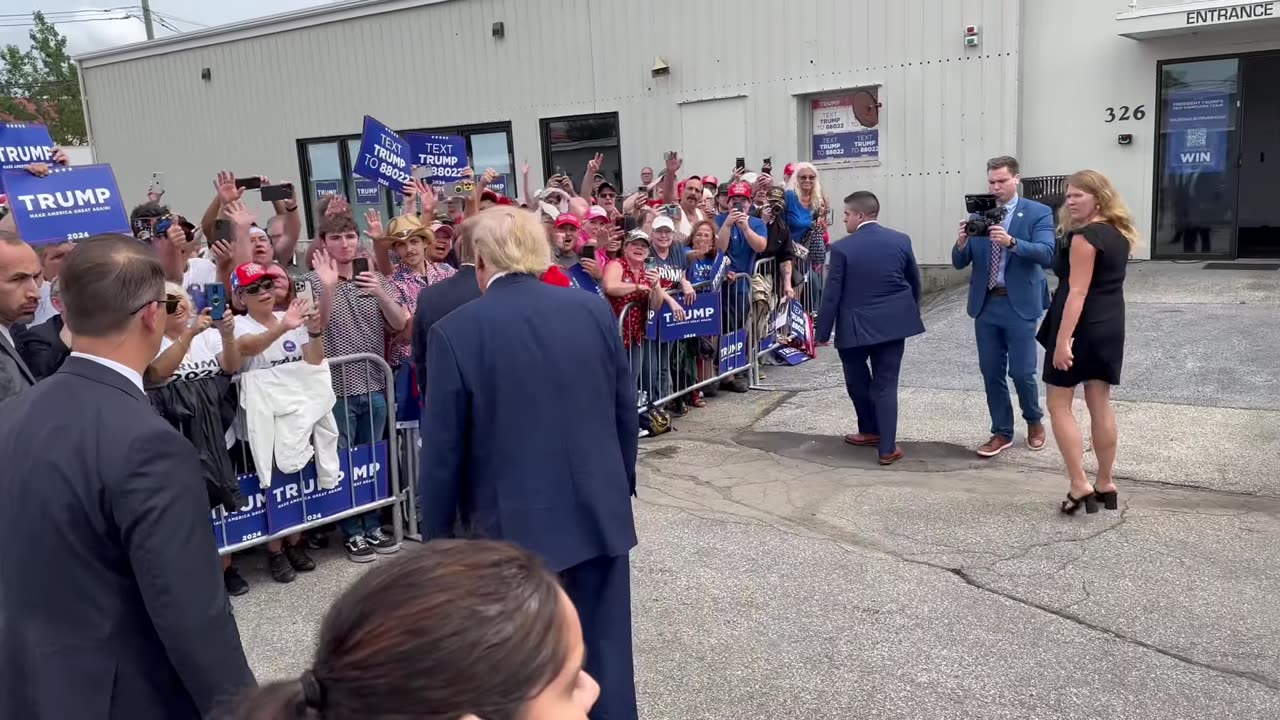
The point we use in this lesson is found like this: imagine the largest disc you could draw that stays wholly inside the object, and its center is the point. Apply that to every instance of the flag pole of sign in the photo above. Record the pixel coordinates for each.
(22, 144)
(443, 156)
(70, 204)
(384, 156)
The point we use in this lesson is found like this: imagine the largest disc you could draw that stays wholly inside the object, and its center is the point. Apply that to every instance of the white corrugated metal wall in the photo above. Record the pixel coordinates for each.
(945, 108)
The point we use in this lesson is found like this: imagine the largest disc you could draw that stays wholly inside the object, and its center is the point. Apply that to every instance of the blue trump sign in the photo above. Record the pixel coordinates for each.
(327, 187)
(444, 156)
(22, 144)
(733, 351)
(70, 204)
(367, 192)
(701, 319)
(384, 156)
(295, 499)
(500, 184)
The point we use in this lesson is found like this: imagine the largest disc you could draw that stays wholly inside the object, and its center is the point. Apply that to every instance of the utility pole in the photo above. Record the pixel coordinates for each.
(146, 19)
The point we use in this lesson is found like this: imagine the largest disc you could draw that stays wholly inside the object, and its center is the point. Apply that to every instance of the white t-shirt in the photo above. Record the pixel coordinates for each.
(201, 360)
(199, 272)
(287, 348)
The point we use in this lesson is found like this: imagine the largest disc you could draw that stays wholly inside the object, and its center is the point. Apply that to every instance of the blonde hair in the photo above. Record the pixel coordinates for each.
(509, 239)
(1111, 207)
(176, 290)
(818, 197)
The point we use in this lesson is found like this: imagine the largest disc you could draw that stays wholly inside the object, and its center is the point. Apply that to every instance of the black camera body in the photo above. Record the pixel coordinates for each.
(984, 211)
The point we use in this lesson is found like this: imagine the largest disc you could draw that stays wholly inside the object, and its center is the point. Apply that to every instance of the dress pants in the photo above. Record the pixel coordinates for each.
(1007, 349)
(600, 589)
(874, 389)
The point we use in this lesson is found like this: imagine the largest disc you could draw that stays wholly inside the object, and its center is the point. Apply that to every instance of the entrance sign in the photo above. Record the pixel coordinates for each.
(384, 156)
(1213, 16)
(22, 144)
(71, 203)
(1197, 123)
(844, 126)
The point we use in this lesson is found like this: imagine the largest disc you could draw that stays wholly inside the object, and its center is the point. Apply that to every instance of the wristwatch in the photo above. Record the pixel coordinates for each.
(1013, 242)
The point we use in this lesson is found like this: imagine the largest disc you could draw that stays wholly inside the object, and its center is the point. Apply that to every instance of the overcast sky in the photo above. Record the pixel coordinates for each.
(82, 37)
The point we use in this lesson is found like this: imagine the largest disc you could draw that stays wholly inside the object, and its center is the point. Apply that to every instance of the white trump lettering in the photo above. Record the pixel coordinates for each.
(26, 154)
(66, 199)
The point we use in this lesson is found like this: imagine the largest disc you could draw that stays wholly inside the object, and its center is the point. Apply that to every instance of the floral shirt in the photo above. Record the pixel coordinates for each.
(633, 327)
(408, 284)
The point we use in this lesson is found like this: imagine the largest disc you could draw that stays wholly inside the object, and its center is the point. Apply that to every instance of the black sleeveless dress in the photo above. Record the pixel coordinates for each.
(1098, 346)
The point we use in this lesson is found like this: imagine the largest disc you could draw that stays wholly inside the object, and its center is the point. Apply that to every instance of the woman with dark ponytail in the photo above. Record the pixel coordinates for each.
(460, 630)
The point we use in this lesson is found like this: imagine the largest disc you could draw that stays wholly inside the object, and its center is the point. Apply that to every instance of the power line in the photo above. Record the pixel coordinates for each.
(57, 14)
(63, 22)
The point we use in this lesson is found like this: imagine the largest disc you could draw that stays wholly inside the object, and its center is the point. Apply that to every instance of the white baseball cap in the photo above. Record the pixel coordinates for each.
(662, 221)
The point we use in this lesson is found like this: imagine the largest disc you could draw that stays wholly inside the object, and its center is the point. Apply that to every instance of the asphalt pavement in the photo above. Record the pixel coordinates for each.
(782, 573)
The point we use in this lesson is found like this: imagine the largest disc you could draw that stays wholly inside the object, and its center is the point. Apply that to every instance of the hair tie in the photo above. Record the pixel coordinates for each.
(312, 692)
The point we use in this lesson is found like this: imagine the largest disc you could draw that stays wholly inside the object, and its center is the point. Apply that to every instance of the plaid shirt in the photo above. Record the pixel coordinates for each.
(356, 325)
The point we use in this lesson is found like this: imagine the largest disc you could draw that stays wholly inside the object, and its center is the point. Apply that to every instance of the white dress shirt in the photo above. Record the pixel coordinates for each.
(132, 375)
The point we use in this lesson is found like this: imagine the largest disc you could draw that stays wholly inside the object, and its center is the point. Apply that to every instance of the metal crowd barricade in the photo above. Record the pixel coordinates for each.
(410, 443)
(370, 460)
(710, 346)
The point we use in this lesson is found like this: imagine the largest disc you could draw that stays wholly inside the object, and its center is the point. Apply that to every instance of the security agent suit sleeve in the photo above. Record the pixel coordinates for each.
(162, 514)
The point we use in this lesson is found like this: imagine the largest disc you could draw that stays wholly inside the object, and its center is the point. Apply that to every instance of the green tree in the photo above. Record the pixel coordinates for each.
(40, 84)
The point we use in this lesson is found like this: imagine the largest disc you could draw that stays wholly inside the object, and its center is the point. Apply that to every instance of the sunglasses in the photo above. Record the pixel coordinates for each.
(171, 304)
(257, 287)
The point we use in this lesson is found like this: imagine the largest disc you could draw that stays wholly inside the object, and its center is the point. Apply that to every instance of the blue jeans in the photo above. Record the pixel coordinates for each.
(362, 420)
(1007, 349)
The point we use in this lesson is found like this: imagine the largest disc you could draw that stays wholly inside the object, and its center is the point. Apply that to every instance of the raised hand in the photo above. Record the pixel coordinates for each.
(225, 185)
(326, 269)
(295, 315)
(238, 214)
(673, 164)
(338, 205)
(373, 219)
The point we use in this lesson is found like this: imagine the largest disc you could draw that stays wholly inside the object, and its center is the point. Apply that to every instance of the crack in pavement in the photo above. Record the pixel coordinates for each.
(848, 541)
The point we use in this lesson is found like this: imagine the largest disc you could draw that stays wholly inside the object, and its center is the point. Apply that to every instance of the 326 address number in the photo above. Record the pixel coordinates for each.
(1123, 113)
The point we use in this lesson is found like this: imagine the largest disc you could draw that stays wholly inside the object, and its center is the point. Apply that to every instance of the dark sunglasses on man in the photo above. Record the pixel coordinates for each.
(171, 303)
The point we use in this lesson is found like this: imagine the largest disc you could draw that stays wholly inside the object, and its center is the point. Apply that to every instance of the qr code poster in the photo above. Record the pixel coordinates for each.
(1197, 123)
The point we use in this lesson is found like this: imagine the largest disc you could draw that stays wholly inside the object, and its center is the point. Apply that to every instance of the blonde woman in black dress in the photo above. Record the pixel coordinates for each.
(1083, 333)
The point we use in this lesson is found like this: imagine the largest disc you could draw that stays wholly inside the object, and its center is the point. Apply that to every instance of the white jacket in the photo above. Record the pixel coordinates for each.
(287, 408)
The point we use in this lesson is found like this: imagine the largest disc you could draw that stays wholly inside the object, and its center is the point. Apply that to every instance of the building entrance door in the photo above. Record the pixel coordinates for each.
(1259, 204)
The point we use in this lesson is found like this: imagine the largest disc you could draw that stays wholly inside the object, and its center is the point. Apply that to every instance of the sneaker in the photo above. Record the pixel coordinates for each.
(281, 570)
(678, 409)
(235, 585)
(359, 550)
(298, 557)
(382, 542)
(996, 445)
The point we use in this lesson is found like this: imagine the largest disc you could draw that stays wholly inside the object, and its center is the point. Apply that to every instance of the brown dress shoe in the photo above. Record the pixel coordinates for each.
(862, 440)
(996, 445)
(1035, 436)
(891, 458)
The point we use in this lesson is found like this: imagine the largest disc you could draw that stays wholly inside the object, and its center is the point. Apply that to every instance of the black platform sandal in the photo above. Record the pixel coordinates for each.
(1072, 504)
(1109, 500)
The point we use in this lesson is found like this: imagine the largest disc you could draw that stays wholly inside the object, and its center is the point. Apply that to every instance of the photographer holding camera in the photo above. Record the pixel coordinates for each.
(1009, 240)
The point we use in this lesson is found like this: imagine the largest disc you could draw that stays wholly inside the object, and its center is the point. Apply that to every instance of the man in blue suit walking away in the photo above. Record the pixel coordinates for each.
(1008, 293)
(872, 300)
(531, 428)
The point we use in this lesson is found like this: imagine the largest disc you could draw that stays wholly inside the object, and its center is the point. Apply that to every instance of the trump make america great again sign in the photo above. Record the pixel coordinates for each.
(69, 204)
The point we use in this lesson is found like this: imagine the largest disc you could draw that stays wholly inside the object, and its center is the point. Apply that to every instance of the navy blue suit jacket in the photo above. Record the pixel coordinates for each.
(1031, 224)
(530, 424)
(434, 302)
(872, 293)
(116, 609)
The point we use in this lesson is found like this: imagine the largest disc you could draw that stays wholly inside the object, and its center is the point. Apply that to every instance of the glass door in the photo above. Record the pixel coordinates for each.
(1198, 173)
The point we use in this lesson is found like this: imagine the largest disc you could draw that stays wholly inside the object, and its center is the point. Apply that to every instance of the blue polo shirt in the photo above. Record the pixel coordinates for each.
(741, 256)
